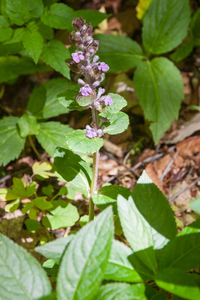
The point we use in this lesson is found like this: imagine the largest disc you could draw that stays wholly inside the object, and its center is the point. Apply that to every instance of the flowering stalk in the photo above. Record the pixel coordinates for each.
(86, 63)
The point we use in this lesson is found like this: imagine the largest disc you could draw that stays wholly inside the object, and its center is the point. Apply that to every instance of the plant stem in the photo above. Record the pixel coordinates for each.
(94, 169)
(34, 148)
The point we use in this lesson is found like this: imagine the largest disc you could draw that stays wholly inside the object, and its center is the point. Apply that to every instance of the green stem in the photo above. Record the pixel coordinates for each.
(34, 148)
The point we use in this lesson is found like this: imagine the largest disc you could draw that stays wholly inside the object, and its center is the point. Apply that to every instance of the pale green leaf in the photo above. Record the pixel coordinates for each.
(54, 54)
(42, 169)
(11, 142)
(86, 259)
(33, 43)
(178, 283)
(63, 214)
(12, 206)
(117, 57)
(195, 205)
(28, 126)
(21, 276)
(159, 87)
(165, 25)
(118, 122)
(68, 99)
(118, 267)
(73, 169)
(118, 103)
(52, 135)
(79, 142)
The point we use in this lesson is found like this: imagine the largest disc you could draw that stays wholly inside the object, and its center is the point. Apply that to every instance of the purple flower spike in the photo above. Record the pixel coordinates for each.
(103, 67)
(107, 100)
(90, 132)
(78, 56)
(86, 90)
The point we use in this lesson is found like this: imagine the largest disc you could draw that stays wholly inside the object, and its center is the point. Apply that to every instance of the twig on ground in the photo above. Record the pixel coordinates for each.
(167, 167)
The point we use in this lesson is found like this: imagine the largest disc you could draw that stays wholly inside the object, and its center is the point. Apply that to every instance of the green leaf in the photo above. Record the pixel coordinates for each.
(52, 135)
(86, 259)
(107, 195)
(195, 27)
(165, 25)
(54, 54)
(93, 16)
(42, 169)
(13, 66)
(11, 142)
(21, 273)
(73, 169)
(182, 253)
(118, 267)
(41, 204)
(50, 297)
(68, 99)
(18, 11)
(12, 206)
(117, 57)
(79, 142)
(33, 43)
(22, 191)
(35, 7)
(48, 190)
(28, 126)
(118, 103)
(46, 31)
(3, 22)
(194, 227)
(195, 205)
(182, 51)
(155, 209)
(5, 34)
(59, 16)
(43, 103)
(32, 225)
(118, 122)
(63, 213)
(137, 231)
(159, 87)
(178, 283)
(119, 291)
(55, 249)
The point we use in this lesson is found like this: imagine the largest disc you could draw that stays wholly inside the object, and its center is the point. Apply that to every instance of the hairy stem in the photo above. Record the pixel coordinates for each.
(34, 148)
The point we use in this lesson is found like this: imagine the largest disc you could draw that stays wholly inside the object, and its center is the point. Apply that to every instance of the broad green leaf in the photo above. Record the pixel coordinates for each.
(194, 227)
(52, 135)
(182, 51)
(182, 252)
(178, 283)
(42, 169)
(107, 195)
(48, 190)
(21, 275)
(118, 103)
(84, 220)
(12, 206)
(5, 34)
(195, 27)
(119, 291)
(35, 7)
(86, 259)
(117, 57)
(55, 249)
(41, 204)
(79, 142)
(3, 22)
(155, 209)
(28, 126)
(32, 225)
(195, 205)
(18, 11)
(165, 25)
(93, 16)
(33, 43)
(73, 169)
(46, 31)
(63, 214)
(43, 103)
(6, 48)
(137, 231)
(159, 87)
(118, 267)
(118, 122)
(22, 191)
(13, 66)
(11, 142)
(59, 16)
(68, 99)
(54, 54)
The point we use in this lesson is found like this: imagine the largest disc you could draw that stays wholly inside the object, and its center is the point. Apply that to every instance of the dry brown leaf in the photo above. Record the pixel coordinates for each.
(112, 148)
(189, 147)
(154, 176)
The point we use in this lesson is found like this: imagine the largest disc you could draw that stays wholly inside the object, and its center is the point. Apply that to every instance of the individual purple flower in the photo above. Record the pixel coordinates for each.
(90, 132)
(86, 90)
(103, 67)
(107, 100)
(78, 56)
